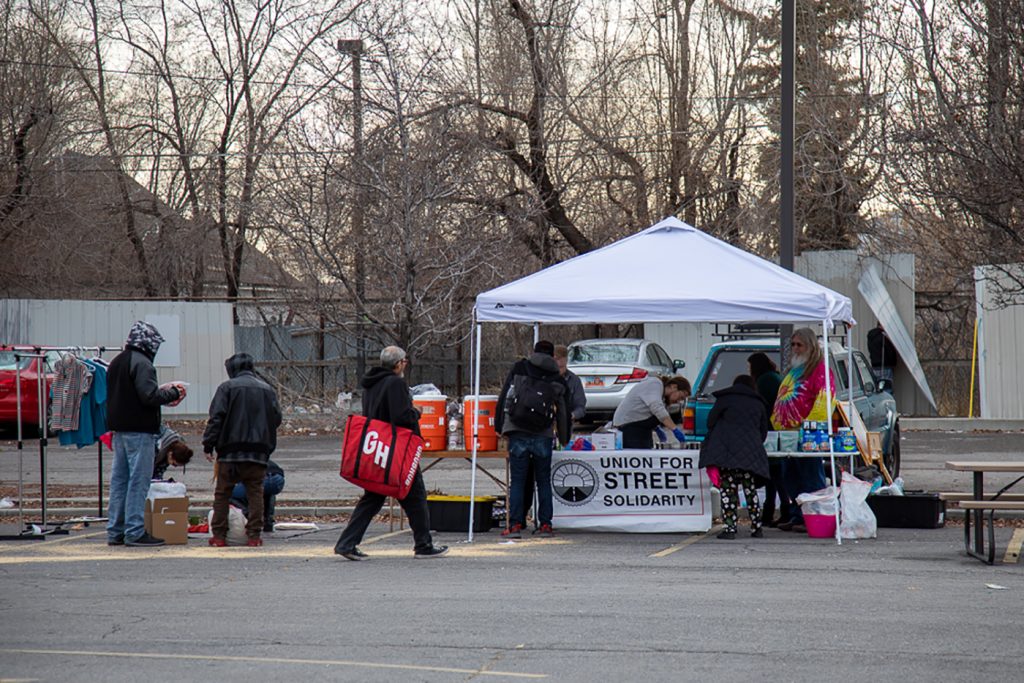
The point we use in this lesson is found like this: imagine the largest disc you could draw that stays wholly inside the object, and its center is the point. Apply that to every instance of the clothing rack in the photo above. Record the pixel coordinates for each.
(40, 531)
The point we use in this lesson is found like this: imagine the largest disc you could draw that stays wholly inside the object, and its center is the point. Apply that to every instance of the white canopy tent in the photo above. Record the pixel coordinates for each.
(640, 279)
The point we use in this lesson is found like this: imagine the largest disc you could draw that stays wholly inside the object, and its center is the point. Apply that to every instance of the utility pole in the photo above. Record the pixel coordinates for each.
(786, 237)
(354, 47)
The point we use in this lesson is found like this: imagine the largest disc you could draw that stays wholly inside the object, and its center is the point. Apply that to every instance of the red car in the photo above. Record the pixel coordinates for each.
(29, 372)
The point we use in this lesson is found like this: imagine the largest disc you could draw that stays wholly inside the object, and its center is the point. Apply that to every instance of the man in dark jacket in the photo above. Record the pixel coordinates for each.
(532, 402)
(737, 427)
(133, 414)
(242, 428)
(386, 398)
(884, 357)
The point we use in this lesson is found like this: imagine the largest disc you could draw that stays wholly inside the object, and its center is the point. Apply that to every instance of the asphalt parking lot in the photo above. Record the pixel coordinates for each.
(578, 607)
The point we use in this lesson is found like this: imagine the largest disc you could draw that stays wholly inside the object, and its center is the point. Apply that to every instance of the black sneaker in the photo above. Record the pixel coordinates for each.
(145, 540)
(435, 551)
(727, 535)
(757, 533)
(116, 541)
(356, 555)
(268, 527)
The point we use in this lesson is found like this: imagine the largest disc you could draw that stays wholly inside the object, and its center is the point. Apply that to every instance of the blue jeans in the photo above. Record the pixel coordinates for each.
(273, 484)
(521, 451)
(802, 475)
(129, 484)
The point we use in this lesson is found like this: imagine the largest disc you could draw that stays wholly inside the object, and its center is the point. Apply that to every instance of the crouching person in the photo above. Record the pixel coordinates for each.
(242, 428)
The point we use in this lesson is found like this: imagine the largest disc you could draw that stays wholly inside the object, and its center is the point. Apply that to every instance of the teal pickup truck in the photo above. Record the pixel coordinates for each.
(871, 396)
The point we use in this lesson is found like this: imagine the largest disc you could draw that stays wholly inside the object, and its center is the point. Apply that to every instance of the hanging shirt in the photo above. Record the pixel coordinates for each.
(70, 384)
(93, 410)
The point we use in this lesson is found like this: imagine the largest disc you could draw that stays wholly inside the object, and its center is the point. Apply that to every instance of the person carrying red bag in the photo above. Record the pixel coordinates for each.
(386, 398)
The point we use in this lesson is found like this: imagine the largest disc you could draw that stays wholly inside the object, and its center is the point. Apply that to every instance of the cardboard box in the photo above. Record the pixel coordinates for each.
(167, 518)
(606, 441)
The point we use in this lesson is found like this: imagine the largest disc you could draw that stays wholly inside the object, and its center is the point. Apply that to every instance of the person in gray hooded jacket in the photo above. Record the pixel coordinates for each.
(531, 406)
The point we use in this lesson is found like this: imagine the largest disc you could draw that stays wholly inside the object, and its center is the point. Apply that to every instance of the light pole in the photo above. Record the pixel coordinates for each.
(786, 227)
(354, 47)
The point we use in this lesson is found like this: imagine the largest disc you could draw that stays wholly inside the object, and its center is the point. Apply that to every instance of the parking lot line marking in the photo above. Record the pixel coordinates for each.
(1013, 550)
(92, 552)
(274, 660)
(682, 544)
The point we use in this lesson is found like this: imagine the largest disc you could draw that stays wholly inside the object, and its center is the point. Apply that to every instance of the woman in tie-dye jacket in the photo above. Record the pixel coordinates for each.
(802, 396)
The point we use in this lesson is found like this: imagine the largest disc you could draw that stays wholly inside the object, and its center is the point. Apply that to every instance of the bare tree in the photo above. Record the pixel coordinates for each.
(419, 247)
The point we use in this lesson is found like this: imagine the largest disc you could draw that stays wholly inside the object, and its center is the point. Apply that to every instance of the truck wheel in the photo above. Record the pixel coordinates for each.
(892, 458)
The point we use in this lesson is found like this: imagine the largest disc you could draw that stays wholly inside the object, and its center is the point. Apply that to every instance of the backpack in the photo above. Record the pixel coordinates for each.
(532, 403)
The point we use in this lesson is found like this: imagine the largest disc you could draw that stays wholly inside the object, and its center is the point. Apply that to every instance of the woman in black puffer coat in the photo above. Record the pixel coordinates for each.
(737, 427)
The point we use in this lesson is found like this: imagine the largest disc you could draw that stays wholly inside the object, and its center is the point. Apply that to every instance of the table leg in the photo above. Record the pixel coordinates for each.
(979, 515)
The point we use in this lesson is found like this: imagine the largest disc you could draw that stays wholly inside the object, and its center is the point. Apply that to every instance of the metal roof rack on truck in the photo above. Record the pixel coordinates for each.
(734, 331)
(741, 331)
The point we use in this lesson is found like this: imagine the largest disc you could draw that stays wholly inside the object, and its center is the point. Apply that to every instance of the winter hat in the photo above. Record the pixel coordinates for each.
(144, 337)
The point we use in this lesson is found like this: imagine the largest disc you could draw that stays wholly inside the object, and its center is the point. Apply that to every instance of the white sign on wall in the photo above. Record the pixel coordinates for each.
(634, 490)
(169, 327)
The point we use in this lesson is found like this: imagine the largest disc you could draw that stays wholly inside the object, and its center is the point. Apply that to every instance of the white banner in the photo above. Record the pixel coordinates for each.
(640, 491)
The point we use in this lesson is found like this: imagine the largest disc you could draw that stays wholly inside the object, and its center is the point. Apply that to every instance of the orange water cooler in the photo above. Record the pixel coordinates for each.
(433, 416)
(488, 436)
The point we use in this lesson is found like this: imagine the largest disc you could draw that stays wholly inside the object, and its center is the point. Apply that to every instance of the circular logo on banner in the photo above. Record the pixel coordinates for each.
(574, 482)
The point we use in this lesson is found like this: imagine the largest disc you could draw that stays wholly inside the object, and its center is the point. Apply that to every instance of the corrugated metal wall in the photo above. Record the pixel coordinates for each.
(199, 336)
(838, 270)
(1000, 330)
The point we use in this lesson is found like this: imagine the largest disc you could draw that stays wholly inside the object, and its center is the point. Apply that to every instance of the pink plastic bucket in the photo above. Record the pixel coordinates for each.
(820, 526)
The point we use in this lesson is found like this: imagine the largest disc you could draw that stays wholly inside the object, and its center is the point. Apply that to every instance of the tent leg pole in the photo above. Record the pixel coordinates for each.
(474, 422)
(828, 417)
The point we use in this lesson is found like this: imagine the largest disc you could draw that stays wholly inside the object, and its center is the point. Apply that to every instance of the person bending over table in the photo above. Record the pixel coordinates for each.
(737, 427)
(802, 397)
(645, 408)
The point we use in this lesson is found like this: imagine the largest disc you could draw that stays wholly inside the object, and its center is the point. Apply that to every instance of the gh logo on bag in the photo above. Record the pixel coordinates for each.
(379, 451)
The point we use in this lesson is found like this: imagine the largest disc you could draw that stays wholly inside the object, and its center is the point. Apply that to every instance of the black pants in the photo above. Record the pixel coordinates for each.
(732, 482)
(414, 504)
(638, 434)
(773, 487)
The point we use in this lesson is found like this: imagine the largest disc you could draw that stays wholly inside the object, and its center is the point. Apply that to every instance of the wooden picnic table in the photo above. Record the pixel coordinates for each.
(979, 468)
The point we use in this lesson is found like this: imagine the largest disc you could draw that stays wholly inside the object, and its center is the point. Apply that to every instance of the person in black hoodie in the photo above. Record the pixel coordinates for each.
(242, 428)
(386, 398)
(532, 405)
(737, 427)
(133, 414)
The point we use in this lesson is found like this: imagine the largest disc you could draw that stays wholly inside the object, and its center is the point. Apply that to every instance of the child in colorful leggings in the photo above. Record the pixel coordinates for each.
(737, 427)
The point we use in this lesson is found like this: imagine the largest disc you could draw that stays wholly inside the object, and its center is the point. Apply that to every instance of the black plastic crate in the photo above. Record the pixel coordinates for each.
(914, 510)
(451, 513)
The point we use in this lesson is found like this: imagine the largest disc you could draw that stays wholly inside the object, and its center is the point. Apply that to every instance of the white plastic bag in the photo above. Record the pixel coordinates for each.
(857, 519)
(820, 502)
(236, 526)
(166, 489)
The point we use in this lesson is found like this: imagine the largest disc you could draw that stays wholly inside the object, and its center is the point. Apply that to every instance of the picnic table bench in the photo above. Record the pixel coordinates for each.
(979, 503)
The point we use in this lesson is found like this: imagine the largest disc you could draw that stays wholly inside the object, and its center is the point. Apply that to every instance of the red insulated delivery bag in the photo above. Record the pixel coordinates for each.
(379, 456)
